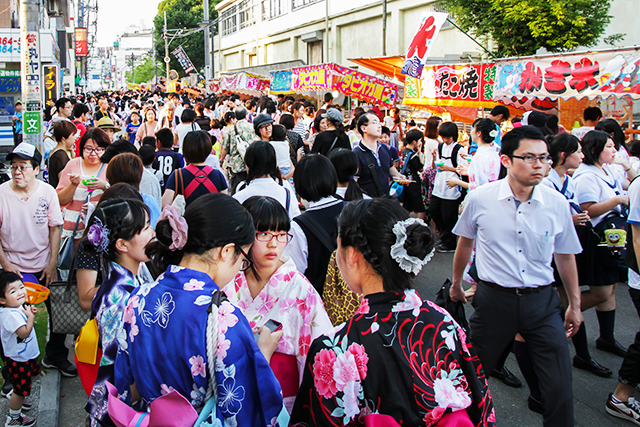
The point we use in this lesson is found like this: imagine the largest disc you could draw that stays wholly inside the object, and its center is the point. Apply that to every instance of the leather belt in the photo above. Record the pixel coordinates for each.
(515, 291)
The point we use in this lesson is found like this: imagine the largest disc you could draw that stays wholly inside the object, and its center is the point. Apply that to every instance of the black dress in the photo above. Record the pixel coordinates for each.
(324, 142)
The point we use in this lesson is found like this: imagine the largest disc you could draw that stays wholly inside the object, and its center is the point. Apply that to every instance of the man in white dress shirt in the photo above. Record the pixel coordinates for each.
(518, 227)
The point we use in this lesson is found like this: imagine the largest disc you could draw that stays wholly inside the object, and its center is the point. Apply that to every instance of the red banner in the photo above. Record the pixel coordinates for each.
(81, 42)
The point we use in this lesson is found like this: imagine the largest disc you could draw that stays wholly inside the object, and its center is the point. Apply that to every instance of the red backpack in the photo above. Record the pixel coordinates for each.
(201, 177)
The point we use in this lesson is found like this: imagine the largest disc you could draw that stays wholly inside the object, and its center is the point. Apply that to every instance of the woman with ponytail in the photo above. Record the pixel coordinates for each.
(170, 337)
(345, 163)
(118, 232)
(399, 360)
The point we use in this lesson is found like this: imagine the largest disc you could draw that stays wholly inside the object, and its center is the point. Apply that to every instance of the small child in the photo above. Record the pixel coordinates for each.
(132, 128)
(20, 345)
(281, 145)
(385, 137)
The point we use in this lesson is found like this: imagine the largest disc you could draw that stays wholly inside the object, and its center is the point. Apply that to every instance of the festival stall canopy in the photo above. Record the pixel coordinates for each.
(241, 83)
(330, 77)
(603, 74)
(389, 66)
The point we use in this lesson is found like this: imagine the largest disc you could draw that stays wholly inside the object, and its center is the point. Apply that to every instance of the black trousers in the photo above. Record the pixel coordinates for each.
(499, 316)
(445, 214)
(629, 372)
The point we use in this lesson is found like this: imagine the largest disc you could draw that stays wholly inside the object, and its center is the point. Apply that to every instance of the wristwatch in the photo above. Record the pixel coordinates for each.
(107, 186)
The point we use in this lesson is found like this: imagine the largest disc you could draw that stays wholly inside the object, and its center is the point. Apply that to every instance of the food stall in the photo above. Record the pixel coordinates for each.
(242, 83)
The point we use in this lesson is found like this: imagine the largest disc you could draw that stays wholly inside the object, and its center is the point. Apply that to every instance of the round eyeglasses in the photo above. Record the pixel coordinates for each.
(265, 236)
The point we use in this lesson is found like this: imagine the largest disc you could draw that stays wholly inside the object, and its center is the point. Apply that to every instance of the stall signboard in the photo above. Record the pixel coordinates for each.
(281, 82)
(245, 83)
(579, 75)
(458, 85)
(364, 87)
(312, 78)
(81, 42)
(183, 59)
(50, 84)
(10, 81)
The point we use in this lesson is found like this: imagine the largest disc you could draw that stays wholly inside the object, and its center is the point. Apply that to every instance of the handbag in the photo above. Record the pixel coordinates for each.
(397, 188)
(67, 316)
(455, 308)
(241, 144)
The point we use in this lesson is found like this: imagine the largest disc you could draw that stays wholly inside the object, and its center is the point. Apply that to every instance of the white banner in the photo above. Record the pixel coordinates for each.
(420, 46)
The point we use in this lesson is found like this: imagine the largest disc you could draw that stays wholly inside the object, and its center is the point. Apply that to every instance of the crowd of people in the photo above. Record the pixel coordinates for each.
(251, 262)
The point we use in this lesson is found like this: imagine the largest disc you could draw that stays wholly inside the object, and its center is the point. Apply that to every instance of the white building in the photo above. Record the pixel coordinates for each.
(136, 41)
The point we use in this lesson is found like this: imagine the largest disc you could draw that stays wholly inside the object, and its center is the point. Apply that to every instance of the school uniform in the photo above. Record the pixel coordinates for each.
(515, 242)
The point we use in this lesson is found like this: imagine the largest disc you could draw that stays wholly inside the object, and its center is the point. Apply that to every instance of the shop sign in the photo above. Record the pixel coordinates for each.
(312, 78)
(364, 87)
(50, 84)
(81, 42)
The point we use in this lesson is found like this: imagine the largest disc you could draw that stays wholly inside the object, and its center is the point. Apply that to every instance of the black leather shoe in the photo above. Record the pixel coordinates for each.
(614, 348)
(535, 406)
(507, 377)
(591, 366)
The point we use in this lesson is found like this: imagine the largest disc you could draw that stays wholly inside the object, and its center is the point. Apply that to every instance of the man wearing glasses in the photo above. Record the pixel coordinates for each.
(518, 228)
(30, 220)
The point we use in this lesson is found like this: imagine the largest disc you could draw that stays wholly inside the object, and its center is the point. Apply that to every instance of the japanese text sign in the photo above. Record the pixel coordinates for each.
(459, 85)
(314, 77)
(81, 42)
(364, 87)
(419, 48)
(570, 76)
(183, 59)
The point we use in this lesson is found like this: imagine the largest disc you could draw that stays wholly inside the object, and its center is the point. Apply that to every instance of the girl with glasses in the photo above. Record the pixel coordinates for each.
(273, 292)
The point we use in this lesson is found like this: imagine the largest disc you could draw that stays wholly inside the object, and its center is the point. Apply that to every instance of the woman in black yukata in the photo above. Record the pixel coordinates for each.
(399, 360)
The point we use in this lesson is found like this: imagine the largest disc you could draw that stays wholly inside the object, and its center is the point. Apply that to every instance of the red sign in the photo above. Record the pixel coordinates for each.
(81, 42)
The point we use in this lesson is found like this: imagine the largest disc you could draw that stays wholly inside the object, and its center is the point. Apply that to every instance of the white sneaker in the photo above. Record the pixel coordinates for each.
(629, 410)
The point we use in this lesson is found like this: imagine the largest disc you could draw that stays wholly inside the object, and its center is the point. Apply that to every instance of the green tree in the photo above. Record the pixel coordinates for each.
(186, 15)
(521, 27)
(144, 71)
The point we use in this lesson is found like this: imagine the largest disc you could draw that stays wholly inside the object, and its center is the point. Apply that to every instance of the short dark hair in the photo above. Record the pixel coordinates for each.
(118, 147)
(268, 214)
(165, 138)
(149, 140)
(6, 278)
(287, 121)
(367, 225)
(97, 135)
(592, 114)
(296, 106)
(593, 144)
(60, 103)
(279, 133)
(328, 97)
(510, 141)
(413, 135)
(196, 146)
(260, 159)
(363, 120)
(613, 128)
(137, 113)
(315, 177)
(63, 129)
(386, 130)
(188, 115)
(448, 130)
(79, 109)
(562, 143)
(241, 112)
(500, 110)
(147, 154)
(125, 167)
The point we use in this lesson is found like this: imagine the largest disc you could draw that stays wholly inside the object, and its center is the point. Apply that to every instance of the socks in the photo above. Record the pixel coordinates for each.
(14, 414)
(607, 321)
(526, 367)
(580, 343)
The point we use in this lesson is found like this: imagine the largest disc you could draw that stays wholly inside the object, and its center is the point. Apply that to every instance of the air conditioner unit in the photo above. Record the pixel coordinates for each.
(311, 37)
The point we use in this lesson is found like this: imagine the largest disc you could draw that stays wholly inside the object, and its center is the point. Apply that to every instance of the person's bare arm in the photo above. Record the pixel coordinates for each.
(596, 209)
(566, 264)
(87, 288)
(167, 197)
(460, 261)
(50, 273)
(6, 264)
(66, 194)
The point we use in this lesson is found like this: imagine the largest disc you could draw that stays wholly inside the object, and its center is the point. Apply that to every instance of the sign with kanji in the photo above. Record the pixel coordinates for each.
(420, 46)
(313, 77)
(457, 85)
(32, 88)
(578, 75)
(32, 122)
(81, 42)
(183, 59)
(50, 84)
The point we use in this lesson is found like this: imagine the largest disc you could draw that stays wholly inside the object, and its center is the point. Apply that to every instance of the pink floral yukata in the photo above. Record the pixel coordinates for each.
(399, 356)
(290, 299)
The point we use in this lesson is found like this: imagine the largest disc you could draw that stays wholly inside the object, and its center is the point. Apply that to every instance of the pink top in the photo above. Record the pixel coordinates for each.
(71, 211)
(24, 226)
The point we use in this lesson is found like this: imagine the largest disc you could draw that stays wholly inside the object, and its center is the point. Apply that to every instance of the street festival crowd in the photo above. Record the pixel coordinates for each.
(251, 262)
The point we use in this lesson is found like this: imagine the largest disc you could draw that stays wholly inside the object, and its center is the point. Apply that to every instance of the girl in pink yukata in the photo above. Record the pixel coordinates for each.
(274, 293)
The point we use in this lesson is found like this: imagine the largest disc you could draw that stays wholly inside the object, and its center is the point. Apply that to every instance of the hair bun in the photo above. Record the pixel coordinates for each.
(163, 232)
(420, 241)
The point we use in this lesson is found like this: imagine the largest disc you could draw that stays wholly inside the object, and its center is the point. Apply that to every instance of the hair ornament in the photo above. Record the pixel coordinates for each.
(493, 133)
(408, 263)
(98, 236)
(179, 227)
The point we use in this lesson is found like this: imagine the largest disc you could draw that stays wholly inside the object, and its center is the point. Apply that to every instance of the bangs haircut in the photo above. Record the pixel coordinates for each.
(268, 214)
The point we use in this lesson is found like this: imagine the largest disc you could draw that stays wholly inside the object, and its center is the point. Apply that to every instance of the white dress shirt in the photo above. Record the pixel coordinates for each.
(634, 218)
(515, 242)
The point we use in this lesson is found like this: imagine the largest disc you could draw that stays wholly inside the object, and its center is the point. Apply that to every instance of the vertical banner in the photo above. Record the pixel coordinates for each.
(183, 59)
(419, 49)
(50, 84)
(81, 42)
(32, 87)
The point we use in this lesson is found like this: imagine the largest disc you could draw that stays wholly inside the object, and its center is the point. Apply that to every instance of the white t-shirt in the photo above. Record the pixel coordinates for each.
(182, 130)
(440, 187)
(10, 320)
(634, 218)
(429, 146)
(269, 187)
(582, 131)
(282, 154)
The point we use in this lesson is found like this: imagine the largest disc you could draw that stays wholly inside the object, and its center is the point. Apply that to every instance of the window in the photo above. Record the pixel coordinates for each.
(297, 4)
(272, 8)
(246, 14)
(228, 19)
(441, 7)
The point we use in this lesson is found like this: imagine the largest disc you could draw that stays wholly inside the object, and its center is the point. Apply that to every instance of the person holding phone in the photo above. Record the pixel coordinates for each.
(273, 293)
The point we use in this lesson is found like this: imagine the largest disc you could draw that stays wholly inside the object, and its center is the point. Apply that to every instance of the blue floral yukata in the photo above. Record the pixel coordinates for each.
(165, 350)
(110, 309)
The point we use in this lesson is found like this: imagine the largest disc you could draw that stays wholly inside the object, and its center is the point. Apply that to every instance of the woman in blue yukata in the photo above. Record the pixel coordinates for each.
(166, 321)
(119, 232)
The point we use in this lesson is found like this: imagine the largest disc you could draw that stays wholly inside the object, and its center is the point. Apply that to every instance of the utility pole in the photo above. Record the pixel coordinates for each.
(384, 27)
(31, 72)
(133, 69)
(155, 59)
(207, 30)
(166, 48)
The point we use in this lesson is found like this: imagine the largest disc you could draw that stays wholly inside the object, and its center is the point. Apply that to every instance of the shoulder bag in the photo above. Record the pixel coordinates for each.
(67, 316)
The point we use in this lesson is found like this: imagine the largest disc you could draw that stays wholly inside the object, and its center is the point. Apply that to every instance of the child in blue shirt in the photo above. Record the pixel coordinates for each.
(132, 128)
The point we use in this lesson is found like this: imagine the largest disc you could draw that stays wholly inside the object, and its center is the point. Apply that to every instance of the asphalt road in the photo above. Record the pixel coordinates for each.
(590, 391)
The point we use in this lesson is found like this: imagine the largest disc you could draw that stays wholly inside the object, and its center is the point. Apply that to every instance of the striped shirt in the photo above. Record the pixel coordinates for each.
(299, 128)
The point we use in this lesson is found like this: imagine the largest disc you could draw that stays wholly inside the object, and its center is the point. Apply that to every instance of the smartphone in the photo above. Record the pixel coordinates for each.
(273, 326)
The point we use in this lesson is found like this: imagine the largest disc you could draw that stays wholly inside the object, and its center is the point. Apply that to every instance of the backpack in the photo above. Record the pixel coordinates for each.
(454, 153)
(241, 144)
